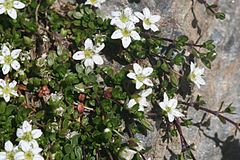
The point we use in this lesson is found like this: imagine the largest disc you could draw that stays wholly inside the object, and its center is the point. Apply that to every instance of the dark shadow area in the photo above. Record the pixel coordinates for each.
(134, 1)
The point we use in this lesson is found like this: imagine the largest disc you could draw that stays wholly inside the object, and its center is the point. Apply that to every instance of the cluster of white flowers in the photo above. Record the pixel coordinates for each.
(125, 21)
(27, 149)
(10, 7)
(141, 77)
(8, 60)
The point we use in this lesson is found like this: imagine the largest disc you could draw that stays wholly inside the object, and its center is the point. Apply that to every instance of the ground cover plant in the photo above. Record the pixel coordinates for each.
(79, 85)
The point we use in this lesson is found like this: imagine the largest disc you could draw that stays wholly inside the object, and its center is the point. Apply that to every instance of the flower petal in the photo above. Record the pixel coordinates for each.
(116, 13)
(131, 75)
(135, 35)
(25, 146)
(146, 12)
(88, 44)
(154, 18)
(12, 13)
(148, 82)
(127, 12)
(143, 102)
(117, 34)
(170, 117)
(3, 155)
(163, 105)
(6, 97)
(15, 53)
(36, 133)
(97, 59)
(134, 19)
(138, 84)
(15, 65)
(19, 156)
(146, 92)
(12, 84)
(139, 15)
(79, 55)
(27, 127)
(131, 103)
(38, 157)
(1, 60)
(172, 103)
(18, 5)
(6, 69)
(2, 83)
(2, 9)
(154, 28)
(89, 63)
(137, 68)
(99, 48)
(19, 133)
(146, 26)
(126, 41)
(165, 98)
(8, 146)
(147, 71)
(176, 113)
(5, 51)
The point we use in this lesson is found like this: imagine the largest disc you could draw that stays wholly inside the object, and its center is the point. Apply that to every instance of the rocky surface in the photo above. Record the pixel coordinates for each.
(190, 18)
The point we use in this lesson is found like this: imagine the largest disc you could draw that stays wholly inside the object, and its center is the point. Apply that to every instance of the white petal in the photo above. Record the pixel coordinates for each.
(6, 69)
(130, 26)
(1, 91)
(2, 1)
(117, 34)
(126, 41)
(170, 117)
(163, 105)
(2, 9)
(192, 66)
(1, 60)
(5, 51)
(18, 5)
(176, 113)
(2, 83)
(12, 13)
(116, 13)
(38, 157)
(79, 55)
(19, 156)
(127, 11)
(88, 44)
(8, 146)
(154, 18)
(146, 92)
(138, 84)
(15, 53)
(135, 35)
(19, 133)
(147, 71)
(36, 133)
(200, 80)
(134, 19)
(131, 103)
(148, 82)
(3, 155)
(154, 28)
(97, 59)
(36, 150)
(172, 103)
(139, 15)
(27, 127)
(25, 146)
(131, 75)
(99, 48)
(15, 65)
(6, 97)
(165, 98)
(146, 12)
(12, 84)
(143, 102)
(137, 68)
(89, 63)
(146, 26)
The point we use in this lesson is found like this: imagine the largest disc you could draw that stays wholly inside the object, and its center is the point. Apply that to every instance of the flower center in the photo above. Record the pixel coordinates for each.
(125, 32)
(8, 59)
(27, 136)
(10, 155)
(147, 21)
(8, 4)
(7, 90)
(88, 53)
(140, 77)
(193, 76)
(28, 155)
(93, 1)
(168, 109)
(124, 19)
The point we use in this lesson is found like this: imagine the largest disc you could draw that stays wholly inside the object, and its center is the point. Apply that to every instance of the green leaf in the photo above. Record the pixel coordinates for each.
(220, 15)
(68, 148)
(78, 152)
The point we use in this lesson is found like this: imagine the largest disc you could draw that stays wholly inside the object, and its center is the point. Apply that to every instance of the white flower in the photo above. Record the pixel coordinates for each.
(28, 152)
(127, 153)
(196, 75)
(90, 54)
(141, 99)
(122, 17)
(10, 151)
(8, 59)
(27, 134)
(95, 3)
(8, 89)
(126, 32)
(148, 19)
(169, 106)
(10, 7)
(140, 75)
